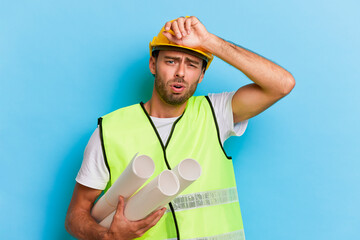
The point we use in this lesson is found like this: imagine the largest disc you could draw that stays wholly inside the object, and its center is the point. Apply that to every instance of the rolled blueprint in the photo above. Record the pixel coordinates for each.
(160, 189)
(149, 198)
(152, 195)
(187, 171)
(131, 179)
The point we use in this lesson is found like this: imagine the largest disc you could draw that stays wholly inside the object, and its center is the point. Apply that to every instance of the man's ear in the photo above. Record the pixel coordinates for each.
(152, 65)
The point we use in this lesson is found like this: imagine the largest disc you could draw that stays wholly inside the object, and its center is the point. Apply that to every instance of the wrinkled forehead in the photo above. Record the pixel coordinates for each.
(179, 55)
(195, 55)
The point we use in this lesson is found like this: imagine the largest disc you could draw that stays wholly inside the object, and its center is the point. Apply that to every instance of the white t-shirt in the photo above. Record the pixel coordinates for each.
(93, 172)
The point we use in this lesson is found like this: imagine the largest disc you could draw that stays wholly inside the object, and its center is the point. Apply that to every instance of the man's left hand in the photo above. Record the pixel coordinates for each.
(187, 31)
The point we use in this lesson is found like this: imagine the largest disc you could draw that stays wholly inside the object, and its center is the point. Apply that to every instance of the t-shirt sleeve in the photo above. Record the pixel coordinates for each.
(93, 172)
(224, 115)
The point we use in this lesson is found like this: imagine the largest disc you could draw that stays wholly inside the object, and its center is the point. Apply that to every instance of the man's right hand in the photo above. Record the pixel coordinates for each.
(123, 229)
(82, 225)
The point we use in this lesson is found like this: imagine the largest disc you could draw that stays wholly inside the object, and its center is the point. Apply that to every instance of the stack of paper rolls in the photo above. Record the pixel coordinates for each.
(138, 171)
(158, 192)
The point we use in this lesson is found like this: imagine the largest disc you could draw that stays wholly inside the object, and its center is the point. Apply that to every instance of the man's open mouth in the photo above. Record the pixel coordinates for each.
(177, 88)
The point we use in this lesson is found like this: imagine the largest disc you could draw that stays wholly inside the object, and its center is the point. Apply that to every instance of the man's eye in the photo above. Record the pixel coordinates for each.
(171, 62)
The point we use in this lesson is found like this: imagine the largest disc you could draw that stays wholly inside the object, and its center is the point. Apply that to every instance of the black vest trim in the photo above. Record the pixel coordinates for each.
(166, 161)
(103, 145)
(217, 127)
(172, 130)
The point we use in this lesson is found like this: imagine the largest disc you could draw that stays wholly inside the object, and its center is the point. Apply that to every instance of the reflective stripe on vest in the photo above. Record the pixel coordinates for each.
(205, 199)
(209, 206)
(236, 235)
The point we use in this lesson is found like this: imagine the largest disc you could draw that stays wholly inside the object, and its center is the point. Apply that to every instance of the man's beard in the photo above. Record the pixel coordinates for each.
(162, 88)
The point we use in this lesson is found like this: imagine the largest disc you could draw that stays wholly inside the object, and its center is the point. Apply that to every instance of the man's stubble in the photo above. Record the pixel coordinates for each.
(162, 88)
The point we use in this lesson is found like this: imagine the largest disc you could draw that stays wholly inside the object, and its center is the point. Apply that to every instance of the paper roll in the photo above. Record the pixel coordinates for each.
(187, 171)
(131, 179)
(149, 198)
(108, 220)
(160, 189)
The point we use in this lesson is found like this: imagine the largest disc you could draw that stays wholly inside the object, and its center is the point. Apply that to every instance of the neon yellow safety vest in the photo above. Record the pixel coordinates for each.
(207, 209)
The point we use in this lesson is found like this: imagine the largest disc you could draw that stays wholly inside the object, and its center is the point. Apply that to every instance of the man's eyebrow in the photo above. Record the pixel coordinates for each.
(174, 58)
(192, 61)
(187, 59)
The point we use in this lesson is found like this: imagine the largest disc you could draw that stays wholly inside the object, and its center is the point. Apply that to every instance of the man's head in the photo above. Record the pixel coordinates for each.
(177, 75)
(160, 42)
(177, 68)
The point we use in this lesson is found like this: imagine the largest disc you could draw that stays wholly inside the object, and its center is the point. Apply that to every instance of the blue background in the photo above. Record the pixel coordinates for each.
(65, 63)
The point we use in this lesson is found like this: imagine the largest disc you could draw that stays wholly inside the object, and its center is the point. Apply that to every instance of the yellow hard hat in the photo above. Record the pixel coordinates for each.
(160, 42)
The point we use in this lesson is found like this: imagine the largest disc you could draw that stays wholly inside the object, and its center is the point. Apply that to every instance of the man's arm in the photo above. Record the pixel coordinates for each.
(80, 224)
(271, 82)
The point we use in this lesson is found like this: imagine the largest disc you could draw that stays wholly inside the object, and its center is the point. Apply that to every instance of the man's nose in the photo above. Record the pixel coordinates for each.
(180, 72)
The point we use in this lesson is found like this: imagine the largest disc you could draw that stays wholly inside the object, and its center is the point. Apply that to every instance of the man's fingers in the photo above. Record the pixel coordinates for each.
(167, 26)
(176, 30)
(181, 25)
(149, 219)
(152, 220)
(188, 25)
(120, 206)
(169, 36)
(150, 225)
(146, 222)
(158, 217)
(119, 214)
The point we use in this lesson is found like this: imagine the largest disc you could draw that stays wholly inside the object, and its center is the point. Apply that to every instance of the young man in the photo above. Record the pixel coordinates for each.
(173, 126)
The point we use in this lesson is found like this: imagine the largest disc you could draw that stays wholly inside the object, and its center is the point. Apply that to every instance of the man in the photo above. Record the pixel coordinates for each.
(172, 126)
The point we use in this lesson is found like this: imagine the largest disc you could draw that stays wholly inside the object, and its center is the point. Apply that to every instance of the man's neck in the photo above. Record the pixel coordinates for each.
(158, 108)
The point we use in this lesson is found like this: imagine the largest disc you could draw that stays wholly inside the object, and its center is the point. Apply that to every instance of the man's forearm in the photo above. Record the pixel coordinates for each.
(82, 226)
(266, 74)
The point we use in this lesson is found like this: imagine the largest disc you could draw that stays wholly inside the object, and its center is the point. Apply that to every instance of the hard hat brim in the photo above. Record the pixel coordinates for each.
(170, 47)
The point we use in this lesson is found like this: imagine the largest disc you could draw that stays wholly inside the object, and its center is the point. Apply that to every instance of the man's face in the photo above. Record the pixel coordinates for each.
(177, 75)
